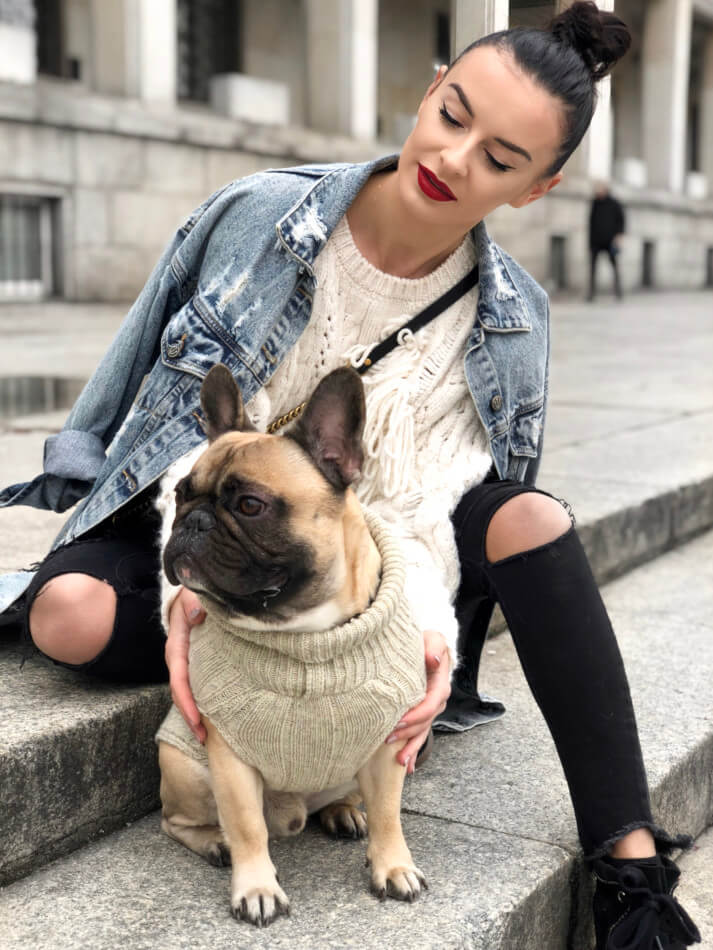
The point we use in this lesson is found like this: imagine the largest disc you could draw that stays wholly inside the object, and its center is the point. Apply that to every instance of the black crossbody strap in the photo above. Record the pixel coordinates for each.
(391, 342)
(421, 319)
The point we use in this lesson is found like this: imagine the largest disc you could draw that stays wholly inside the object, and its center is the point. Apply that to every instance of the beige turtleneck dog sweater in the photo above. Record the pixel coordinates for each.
(308, 709)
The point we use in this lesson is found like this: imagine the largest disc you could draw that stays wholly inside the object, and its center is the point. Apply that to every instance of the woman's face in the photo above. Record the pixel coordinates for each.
(485, 136)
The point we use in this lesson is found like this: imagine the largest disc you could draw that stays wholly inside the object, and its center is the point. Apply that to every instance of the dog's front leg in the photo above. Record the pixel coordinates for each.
(393, 872)
(256, 895)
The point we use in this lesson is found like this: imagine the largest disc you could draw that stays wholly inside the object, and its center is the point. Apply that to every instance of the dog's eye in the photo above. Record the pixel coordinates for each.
(250, 506)
(184, 490)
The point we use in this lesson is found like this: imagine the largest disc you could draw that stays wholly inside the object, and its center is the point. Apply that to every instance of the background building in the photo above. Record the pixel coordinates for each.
(117, 117)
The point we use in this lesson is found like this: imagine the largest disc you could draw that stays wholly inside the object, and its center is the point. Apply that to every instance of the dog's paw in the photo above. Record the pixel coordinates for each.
(404, 882)
(344, 819)
(218, 854)
(258, 904)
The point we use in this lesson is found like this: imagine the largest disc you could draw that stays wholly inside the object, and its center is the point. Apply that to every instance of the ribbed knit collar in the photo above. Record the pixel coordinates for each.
(407, 289)
(322, 645)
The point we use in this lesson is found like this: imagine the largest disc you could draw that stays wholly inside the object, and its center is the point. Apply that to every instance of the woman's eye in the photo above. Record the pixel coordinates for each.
(447, 117)
(498, 166)
(250, 506)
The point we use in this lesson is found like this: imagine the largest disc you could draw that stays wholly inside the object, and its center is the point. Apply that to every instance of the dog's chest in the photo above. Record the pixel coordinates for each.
(307, 725)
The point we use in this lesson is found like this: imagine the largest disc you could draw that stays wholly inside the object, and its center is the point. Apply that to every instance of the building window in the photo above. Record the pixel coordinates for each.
(531, 12)
(647, 264)
(209, 43)
(709, 267)
(48, 33)
(26, 259)
(558, 261)
(442, 51)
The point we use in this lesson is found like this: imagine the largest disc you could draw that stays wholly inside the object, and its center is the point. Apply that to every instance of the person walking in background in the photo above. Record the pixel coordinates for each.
(606, 225)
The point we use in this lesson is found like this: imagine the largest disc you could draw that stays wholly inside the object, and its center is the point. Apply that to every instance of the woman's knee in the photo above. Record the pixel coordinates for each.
(72, 617)
(524, 522)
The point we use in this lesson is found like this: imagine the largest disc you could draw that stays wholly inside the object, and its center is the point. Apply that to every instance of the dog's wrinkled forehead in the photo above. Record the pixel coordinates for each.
(259, 459)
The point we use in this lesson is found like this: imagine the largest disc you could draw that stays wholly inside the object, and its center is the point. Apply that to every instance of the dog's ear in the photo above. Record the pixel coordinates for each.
(222, 403)
(331, 426)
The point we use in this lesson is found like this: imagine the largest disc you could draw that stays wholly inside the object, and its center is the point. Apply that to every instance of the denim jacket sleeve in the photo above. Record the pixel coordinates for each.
(74, 456)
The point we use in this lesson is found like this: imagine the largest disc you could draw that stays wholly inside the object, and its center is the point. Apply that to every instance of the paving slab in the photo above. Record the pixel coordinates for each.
(140, 889)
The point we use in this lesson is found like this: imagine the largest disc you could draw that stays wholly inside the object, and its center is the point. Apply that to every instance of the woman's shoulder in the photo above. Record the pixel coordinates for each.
(505, 283)
(272, 193)
(526, 283)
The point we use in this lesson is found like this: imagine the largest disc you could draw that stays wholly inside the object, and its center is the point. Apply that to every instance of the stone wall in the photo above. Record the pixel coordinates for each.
(123, 177)
(680, 229)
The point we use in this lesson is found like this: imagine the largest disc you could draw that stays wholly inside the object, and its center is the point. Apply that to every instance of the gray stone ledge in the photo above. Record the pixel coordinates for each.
(56, 104)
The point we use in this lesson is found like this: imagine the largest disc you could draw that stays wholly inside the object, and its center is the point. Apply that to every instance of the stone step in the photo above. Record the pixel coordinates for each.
(488, 818)
(81, 751)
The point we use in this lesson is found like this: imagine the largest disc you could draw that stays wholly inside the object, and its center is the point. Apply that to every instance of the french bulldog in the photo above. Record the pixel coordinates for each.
(270, 535)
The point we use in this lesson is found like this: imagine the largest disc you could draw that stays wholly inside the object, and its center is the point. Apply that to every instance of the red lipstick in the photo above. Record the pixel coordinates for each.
(433, 187)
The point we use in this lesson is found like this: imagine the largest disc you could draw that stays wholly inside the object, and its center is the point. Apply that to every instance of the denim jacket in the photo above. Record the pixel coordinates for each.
(235, 286)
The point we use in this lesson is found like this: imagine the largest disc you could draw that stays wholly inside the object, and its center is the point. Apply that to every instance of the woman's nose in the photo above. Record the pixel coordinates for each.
(455, 159)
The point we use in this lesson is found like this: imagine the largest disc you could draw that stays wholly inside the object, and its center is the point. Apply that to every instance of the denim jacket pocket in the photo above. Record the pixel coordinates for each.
(526, 430)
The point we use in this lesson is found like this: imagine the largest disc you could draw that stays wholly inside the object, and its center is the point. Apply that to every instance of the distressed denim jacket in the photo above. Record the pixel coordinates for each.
(235, 286)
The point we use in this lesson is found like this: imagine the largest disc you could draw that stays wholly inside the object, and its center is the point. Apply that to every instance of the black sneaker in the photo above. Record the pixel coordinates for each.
(634, 907)
(466, 709)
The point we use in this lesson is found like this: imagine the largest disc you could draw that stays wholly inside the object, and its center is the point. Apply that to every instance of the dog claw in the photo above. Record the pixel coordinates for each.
(260, 910)
(378, 892)
(219, 856)
(402, 884)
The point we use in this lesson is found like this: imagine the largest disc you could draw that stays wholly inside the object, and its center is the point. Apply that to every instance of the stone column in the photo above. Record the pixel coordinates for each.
(154, 64)
(707, 111)
(134, 46)
(666, 53)
(471, 19)
(342, 66)
(18, 60)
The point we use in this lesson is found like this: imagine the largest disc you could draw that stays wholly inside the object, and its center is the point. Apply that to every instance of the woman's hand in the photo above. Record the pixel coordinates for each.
(415, 725)
(185, 612)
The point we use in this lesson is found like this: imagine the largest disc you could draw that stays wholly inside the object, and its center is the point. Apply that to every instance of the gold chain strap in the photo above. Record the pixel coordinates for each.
(288, 417)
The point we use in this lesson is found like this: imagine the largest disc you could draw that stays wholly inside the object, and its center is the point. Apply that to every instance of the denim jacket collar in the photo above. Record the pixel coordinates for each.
(306, 227)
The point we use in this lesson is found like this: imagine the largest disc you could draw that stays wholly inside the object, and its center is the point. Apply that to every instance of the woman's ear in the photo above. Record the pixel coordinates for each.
(440, 73)
(538, 190)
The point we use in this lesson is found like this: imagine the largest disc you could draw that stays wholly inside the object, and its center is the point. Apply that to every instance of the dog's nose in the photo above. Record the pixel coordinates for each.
(199, 520)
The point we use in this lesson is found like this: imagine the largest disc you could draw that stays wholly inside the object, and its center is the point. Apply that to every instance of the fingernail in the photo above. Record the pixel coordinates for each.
(406, 762)
(194, 613)
(391, 738)
(436, 657)
(400, 725)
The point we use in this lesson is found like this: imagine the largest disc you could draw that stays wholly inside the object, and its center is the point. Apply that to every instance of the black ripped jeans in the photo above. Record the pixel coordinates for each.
(571, 660)
(553, 608)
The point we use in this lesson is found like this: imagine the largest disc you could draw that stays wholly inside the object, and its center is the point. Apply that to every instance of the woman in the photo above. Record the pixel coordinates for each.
(284, 275)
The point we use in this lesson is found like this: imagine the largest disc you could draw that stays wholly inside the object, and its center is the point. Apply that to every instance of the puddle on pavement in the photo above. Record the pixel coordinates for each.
(27, 395)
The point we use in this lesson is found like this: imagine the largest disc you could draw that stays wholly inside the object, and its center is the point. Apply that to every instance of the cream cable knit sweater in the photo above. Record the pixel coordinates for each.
(308, 709)
(425, 445)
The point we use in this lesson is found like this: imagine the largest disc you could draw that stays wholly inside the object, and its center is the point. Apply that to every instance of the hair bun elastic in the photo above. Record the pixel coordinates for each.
(600, 37)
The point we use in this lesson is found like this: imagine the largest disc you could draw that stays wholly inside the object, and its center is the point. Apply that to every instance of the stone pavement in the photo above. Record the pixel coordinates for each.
(628, 444)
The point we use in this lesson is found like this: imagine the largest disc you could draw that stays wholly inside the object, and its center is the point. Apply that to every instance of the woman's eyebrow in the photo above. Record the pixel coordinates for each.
(469, 109)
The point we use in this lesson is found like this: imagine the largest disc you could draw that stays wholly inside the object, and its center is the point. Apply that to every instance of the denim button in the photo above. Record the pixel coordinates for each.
(496, 403)
(174, 349)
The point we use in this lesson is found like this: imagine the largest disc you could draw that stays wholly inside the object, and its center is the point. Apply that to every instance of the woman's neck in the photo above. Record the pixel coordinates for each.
(389, 238)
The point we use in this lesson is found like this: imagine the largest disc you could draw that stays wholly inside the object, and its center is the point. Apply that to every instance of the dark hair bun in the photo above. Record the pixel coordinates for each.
(600, 38)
